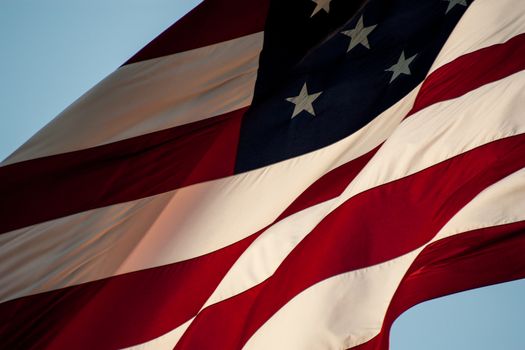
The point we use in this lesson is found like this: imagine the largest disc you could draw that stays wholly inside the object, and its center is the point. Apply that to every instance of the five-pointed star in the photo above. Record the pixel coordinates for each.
(452, 3)
(401, 67)
(303, 102)
(359, 35)
(321, 5)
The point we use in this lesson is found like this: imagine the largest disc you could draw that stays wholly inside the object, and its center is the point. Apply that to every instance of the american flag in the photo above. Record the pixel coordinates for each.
(273, 175)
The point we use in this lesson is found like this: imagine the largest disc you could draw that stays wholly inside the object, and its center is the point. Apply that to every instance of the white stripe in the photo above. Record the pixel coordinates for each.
(173, 226)
(266, 253)
(432, 132)
(446, 129)
(348, 309)
(259, 276)
(160, 93)
(153, 95)
(500, 204)
(310, 324)
(164, 342)
(60, 261)
(203, 214)
(337, 313)
(432, 135)
(485, 23)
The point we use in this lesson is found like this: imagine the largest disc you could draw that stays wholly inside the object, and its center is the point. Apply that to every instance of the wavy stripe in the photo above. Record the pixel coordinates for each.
(116, 312)
(484, 178)
(471, 71)
(151, 96)
(339, 311)
(135, 252)
(413, 210)
(502, 121)
(412, 118)
(484, 24)
(471, 260)
(164, 342)
(120, 172)
(181, 280)
(140, 234)
(444, 130)
(192, 153)
(360, 319)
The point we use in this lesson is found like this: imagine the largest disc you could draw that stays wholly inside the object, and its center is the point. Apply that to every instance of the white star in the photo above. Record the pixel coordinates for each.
(452, 3)
(321, 5)
(359, 35)
(401, 67)
(303, 102)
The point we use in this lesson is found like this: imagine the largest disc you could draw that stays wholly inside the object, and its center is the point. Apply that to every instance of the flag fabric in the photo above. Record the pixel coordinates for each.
(273, 175)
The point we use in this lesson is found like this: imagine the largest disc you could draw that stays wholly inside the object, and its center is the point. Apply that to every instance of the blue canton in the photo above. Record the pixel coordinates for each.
(322, 77)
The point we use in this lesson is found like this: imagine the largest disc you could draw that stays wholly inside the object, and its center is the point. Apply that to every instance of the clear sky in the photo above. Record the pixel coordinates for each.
(53, 51)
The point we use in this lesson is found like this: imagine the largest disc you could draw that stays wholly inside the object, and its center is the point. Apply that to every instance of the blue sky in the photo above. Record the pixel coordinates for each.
(53, 51)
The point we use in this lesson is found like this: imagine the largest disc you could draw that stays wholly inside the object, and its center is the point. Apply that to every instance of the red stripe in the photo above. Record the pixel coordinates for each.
(329, 185)
(458, 263)
(133, 308)
(173, 158)
(372, 227)
(48, 188)
(142, 305)
(201, 151)
(471, 71)
(27, 328)
(116, 312)
(211, 22)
